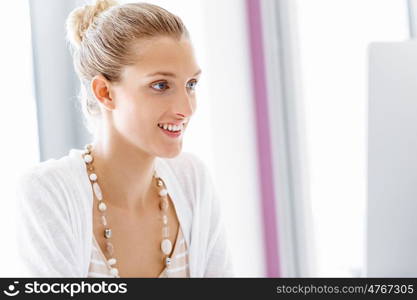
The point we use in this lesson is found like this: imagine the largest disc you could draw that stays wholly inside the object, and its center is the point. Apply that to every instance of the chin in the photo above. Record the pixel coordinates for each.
(170, 154)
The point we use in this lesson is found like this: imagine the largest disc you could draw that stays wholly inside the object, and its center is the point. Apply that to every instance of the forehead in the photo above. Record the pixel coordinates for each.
(163, 54)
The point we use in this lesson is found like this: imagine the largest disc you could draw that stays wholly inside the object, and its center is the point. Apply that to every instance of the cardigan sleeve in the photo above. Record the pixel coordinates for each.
(219, 259)
(45, 238)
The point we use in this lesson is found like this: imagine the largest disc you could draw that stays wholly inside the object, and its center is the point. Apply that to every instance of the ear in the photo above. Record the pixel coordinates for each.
(100, 87)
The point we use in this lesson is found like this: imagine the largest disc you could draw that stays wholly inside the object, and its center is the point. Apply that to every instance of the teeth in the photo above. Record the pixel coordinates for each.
(171, 127)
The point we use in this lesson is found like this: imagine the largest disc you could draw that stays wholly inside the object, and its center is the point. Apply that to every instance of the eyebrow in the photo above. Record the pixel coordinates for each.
(169, 74)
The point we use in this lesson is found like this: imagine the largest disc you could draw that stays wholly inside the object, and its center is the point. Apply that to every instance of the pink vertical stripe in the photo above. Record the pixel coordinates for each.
(263, 138)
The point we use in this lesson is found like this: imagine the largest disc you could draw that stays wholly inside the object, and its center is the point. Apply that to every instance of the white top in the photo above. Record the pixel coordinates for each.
(54, 216)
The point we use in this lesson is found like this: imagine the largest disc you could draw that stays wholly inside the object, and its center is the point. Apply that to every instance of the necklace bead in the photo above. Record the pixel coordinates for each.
(88, 158)
(93, 177)
(166, 246)
(107, 233)
(114, 271)
(165, 231)
(102, 206)
(97, 191)
(104, 220)
(110, 248)
(163, 192)
(167, 261)
(164, 219)
(164, 205)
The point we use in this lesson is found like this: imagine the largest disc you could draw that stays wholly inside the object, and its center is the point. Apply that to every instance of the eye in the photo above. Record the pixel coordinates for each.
(193, 84)
(160, 86)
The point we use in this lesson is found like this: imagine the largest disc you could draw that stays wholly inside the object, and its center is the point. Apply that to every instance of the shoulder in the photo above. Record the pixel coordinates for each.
(46, 169)
(52, 176)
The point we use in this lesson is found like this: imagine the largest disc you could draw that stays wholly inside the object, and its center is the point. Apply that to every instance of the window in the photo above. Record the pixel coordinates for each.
(18, 129)
(333, 38)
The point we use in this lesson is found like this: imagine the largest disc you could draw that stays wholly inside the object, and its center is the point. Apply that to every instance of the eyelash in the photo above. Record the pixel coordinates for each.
(159, 82)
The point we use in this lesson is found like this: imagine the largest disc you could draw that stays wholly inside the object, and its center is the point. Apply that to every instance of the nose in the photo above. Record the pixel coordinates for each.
(185, 105)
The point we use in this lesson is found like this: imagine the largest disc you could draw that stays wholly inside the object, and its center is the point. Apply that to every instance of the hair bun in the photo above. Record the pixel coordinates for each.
(81, 18)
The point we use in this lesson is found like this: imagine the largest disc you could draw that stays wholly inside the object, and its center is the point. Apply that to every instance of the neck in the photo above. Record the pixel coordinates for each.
(125, 174)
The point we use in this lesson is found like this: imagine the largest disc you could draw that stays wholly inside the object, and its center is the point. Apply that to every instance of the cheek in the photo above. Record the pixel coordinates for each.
(139, 118)
(127, 114)
(194, 105)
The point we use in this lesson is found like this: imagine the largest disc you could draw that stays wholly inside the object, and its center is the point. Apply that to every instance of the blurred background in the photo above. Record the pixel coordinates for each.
(307, 112)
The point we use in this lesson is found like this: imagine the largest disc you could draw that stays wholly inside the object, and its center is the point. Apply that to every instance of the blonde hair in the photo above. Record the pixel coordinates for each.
(103, 35)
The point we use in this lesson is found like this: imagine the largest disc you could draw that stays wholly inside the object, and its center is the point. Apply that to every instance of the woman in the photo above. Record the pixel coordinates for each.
(130, 204)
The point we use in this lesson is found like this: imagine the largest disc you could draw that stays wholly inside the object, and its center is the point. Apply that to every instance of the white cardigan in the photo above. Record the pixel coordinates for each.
(54, 215)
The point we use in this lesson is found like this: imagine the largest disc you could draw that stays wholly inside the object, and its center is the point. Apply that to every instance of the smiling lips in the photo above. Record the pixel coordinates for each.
(172, 130)
(172, 127)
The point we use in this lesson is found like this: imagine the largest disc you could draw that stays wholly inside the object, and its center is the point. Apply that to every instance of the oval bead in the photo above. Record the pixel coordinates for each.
(110, 248)
(102, 206)
(165, 219)
(97, 191)
(160, 183)
(165, 232)
(163, 192)
(166, 246)
(112, 261)
(104, 220)
(163, 205)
